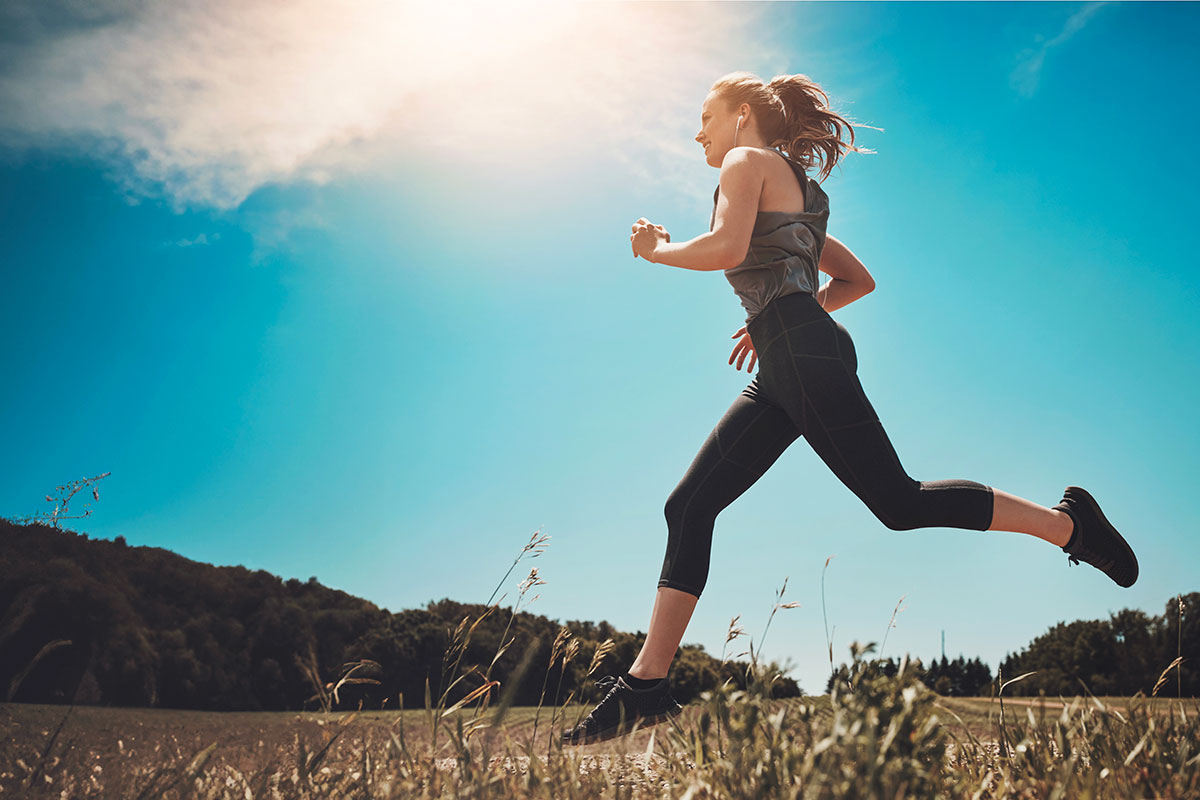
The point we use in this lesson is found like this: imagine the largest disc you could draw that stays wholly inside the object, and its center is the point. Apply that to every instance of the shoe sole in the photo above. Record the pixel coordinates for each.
(1095, 507)
(613, 733)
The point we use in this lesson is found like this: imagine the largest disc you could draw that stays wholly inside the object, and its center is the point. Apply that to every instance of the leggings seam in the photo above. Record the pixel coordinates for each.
(672, 584)
(699, 483)
(826, 358)
(850, 469)
(803, 390)
(851, 425)
(832, 441)
(762, 350)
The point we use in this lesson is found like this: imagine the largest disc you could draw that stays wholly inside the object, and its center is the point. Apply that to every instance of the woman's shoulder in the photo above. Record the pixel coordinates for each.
(748, 159)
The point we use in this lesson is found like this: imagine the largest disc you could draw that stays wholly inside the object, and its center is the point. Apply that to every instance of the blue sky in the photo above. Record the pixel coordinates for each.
(379, 322)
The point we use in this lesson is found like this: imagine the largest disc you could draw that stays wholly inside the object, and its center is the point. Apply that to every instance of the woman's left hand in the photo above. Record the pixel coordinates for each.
(646, 238)
(743, 348)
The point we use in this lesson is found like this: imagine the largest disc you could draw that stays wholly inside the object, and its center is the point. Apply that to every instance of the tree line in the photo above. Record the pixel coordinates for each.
(957, 678)
(95, 621)
(1126, 653)
(1120, 656)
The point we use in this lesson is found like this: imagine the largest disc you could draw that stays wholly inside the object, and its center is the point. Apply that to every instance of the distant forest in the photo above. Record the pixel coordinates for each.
(1119, 656)
(94, 621)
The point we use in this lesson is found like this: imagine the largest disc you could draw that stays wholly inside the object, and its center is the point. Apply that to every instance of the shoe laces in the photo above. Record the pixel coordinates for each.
(608, 685)
(607, 682)
(1100, 562)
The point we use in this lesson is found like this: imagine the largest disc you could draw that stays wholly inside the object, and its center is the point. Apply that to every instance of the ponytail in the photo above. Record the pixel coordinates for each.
(793, 115)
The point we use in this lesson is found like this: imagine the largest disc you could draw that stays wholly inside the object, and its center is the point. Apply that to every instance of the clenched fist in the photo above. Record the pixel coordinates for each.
(646, 237)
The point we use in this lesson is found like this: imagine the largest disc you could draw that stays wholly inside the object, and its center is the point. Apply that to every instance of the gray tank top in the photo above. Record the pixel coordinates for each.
(785, 248)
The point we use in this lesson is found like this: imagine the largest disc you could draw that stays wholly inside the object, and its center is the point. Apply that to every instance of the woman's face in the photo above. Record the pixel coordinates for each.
(717, 123)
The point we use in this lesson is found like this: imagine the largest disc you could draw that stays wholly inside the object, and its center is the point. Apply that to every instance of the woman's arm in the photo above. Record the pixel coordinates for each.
(725, 246)
(850, 279)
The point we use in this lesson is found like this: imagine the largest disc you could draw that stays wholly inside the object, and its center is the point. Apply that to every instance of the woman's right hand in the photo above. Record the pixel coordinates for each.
(743, 348)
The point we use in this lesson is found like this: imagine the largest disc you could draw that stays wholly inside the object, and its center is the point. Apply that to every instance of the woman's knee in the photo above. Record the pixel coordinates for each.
(930, 504)
(899, 523)
(674, 507)
(684, 506)
(689, 543)
(894, 519)
(900, 509)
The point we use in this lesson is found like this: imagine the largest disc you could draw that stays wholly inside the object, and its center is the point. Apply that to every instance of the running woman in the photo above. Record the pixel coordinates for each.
(767, 234)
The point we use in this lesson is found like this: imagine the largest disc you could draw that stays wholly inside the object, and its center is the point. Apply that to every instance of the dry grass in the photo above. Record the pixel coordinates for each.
(874, 737)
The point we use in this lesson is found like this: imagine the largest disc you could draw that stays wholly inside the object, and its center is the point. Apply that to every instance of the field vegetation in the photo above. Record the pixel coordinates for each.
(879, 732)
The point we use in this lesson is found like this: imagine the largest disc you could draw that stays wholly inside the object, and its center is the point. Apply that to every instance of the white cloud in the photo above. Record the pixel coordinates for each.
(199, 239)
(1027, 74)
(205, 102)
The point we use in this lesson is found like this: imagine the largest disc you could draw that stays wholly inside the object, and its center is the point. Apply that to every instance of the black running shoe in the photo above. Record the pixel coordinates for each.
(622, 710)
(1095, 540)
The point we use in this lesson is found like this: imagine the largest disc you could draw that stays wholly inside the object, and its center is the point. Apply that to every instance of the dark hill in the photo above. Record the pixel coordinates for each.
(148, 627)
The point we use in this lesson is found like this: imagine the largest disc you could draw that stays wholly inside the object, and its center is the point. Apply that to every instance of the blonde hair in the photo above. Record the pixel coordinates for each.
(793, 114)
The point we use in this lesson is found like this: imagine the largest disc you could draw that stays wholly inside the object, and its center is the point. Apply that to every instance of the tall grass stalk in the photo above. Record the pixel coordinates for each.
(536, 545)
(556, 649)
(1000, 696)
(828, 640)
(1179, 650)
(459, 642)
(891, 623)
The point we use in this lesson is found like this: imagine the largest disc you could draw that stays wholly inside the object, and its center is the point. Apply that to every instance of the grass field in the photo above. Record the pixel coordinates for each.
(877, 735)
(127, 752)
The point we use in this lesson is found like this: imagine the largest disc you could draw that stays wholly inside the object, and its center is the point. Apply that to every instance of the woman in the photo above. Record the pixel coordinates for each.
(768, 235)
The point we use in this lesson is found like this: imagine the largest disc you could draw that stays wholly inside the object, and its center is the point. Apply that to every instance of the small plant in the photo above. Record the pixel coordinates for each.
(892, 622)
(828, 639)
(437, 711)
(65, 493)
(327, 693)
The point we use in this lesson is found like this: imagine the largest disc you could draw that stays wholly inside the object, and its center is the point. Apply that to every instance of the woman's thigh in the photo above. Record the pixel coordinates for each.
(750, 436)
(813, 372)
(755, 430)
(746, 441)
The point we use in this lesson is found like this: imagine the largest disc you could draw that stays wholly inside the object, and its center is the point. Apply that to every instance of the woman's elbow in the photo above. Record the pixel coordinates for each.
(731, 256)
(865, 280)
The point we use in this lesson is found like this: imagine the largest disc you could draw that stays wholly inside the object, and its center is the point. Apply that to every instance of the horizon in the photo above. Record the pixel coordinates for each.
(612, 668)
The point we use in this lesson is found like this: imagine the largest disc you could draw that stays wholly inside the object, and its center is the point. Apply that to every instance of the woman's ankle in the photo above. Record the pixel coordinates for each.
(1066, 527)
(640, 673)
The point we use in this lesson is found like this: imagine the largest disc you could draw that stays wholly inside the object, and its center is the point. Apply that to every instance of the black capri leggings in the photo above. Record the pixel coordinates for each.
(807, 384)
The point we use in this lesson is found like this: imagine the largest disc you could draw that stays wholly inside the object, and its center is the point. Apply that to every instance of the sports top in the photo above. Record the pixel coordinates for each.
(785, 248)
